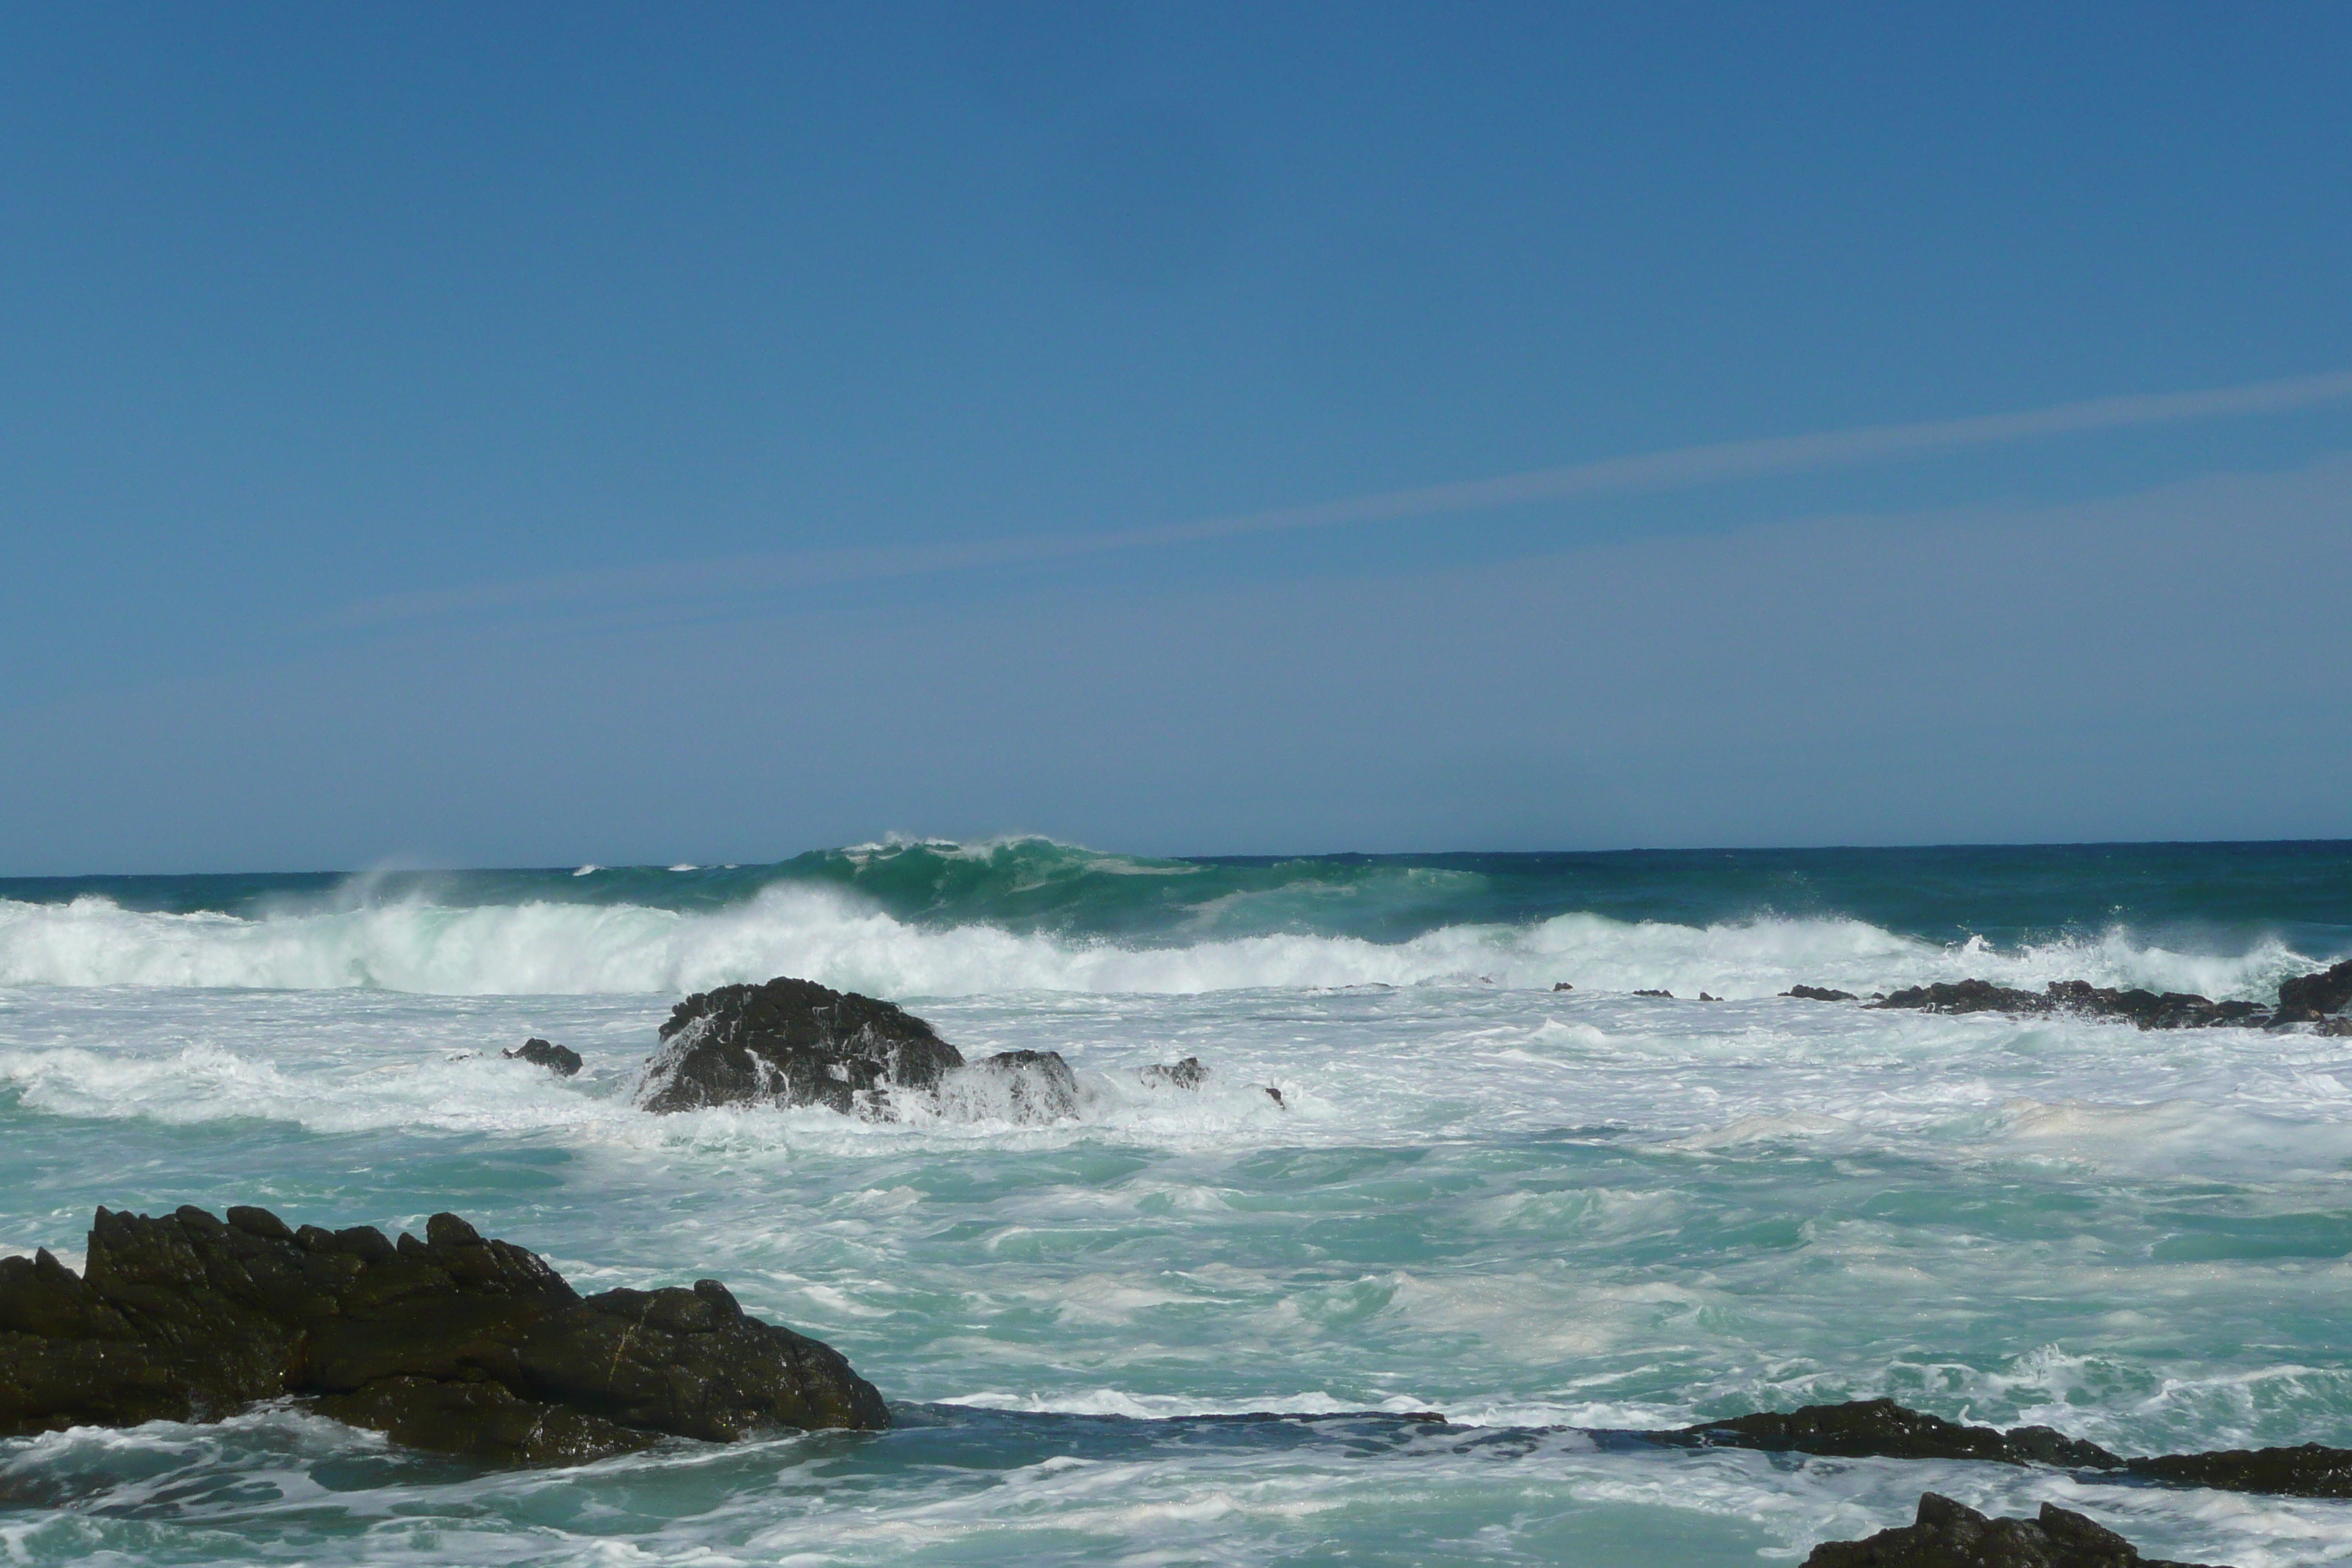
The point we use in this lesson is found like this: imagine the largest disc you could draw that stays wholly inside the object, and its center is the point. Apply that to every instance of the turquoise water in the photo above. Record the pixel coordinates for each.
(1199, 1329)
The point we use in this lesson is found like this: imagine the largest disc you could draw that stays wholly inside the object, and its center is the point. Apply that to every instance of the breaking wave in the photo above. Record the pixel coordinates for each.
(837, 937)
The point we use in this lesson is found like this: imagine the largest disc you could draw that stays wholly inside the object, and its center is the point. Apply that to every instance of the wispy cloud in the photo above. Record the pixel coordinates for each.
(1680, 469)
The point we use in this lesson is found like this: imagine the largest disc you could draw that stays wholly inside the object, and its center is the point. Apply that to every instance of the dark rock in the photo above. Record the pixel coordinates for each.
(791, 1042)
(561, 1060)
(453, 1343)
(1947, 1535)
(1668, 994)
(2306, 1471)
(1880, 1428)
(2149, 1010)
(1964, 996)
(2308, 998)
(1186, 1074)
(1705, 997)
(1561, 986)
(1027, 1087)
(1818, 993)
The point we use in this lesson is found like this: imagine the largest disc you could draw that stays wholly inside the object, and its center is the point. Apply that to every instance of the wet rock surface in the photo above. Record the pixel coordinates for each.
(455, 1343)
(793, 1042)
(560, 1060)
(1818, 993)
(1947, 1535)
(2308, 1470)
(2308, 998)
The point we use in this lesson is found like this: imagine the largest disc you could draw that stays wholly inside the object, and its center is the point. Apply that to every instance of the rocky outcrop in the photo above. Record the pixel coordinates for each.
(453, 1342)
(1880, 1428)
(2308, 1470)
(2149, 1009)
(1946, 1534)
(793, 1042)
(2308, 998)
(1818, 993)
(560, 1060)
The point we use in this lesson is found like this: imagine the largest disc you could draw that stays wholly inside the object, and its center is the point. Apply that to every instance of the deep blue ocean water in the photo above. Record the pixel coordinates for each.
(1538, 1211)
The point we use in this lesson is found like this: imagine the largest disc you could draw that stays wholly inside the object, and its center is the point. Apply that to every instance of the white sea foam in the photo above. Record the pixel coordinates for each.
(543, 949)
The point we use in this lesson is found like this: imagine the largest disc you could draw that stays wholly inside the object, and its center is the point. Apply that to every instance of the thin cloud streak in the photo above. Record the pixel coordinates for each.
(1682, 467)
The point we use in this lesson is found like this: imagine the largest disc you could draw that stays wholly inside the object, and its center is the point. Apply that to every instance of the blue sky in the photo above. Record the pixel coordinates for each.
(529, 435)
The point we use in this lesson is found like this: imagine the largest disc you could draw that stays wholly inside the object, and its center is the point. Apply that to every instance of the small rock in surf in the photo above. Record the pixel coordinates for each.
(1818, 993)
(1186, 1074)
(560, 1060)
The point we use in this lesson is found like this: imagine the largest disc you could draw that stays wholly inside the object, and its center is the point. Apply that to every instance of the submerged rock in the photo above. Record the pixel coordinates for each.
(1947, 1535)
(1027, 1087)
(1818, 993)
(791, 1042)
(1667, 994)
(453, 1342)
(560, 1060)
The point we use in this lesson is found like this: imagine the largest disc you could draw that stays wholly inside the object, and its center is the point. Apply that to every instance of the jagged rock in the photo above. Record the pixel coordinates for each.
(1705, 997)
(1667, 994)
(1818, 993)
(2171, 1010)
(1027, 1087)
(2308, 998)
(1947, 1535)
(1880, 1428)
(560, 1060)
(1561, 986)
(1186, 1074)
(791, 1042)
(1964, 996)
(453, 1343)
(2308, 1469)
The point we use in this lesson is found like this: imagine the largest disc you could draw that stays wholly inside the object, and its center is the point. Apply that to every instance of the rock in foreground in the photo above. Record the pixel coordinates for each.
(454, 1344)
(1947, 1535)
(793, 1042)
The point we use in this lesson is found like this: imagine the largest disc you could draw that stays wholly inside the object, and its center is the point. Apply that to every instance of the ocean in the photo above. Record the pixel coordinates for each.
(1207, 1328)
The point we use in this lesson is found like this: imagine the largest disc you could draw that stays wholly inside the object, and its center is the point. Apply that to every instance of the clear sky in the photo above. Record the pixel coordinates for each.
(527, 434)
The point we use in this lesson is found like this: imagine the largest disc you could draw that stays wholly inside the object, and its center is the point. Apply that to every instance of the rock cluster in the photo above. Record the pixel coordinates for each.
(453, 1342)
(795, 1042)
(2305, 999)
(1946, 1534)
